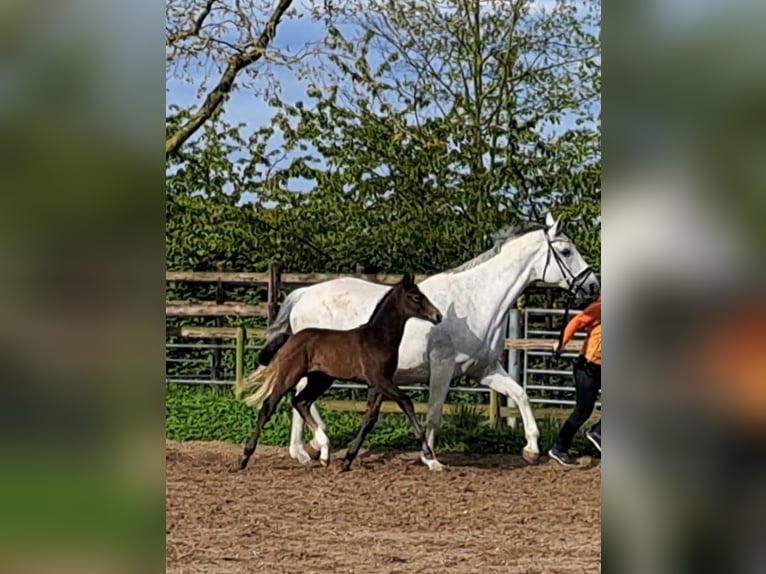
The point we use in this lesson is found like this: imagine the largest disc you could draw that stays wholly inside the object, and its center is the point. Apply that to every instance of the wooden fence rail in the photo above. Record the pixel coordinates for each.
(274, 279)
(213, 309)
(286, 278)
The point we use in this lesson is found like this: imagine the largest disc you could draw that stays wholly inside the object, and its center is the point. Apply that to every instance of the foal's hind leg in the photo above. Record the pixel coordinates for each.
(268, 408)
(317, 384)
(394, 393)
(297, 449)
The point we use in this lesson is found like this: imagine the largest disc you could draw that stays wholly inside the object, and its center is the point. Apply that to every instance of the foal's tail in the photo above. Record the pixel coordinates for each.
(266, 377)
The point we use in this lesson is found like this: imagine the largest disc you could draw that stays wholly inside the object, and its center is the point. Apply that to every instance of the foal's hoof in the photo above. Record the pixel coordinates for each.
(346, 466)
(530, 457)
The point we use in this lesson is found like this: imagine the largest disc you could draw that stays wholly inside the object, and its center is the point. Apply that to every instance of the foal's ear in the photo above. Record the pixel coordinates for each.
(408, 280)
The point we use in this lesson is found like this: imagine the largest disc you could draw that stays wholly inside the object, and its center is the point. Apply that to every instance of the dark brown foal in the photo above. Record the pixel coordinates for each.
(367, 354)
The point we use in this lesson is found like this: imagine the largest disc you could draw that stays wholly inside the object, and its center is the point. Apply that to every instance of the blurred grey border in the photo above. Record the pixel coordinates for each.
(82, 251)
(683, 235)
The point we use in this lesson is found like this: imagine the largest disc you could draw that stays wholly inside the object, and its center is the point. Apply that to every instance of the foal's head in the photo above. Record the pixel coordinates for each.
(413, 303)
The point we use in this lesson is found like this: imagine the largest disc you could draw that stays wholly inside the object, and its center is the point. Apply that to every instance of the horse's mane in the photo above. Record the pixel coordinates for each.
(379, 307)
(500, 238)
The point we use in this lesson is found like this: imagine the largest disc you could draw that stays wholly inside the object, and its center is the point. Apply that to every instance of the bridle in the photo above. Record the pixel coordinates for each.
(574, 282)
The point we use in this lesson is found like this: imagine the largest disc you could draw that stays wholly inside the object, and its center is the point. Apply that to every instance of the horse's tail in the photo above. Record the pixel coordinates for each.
(271, 347)
(279, 331)
(266, 377)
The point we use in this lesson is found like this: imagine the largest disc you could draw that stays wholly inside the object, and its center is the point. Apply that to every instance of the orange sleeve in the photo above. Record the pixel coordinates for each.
(588, 318)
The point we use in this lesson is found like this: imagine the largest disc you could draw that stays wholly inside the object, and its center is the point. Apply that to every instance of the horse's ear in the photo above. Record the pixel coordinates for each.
(408, 280)
(549, 220)
(552, 224)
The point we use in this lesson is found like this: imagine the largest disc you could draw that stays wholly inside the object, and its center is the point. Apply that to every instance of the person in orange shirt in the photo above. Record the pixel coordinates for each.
(587, 376)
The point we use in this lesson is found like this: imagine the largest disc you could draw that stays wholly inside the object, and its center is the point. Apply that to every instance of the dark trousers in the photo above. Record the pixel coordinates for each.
(587, 378)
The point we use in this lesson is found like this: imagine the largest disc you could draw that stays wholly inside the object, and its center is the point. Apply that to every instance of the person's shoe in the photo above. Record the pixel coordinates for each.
(563, 458)
(594, 437)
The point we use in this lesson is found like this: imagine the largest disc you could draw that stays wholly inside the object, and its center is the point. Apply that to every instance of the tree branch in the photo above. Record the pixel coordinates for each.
(195, 29)
(218, 94)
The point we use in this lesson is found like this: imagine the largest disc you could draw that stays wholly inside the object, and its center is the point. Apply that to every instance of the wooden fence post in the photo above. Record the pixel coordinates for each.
(494, 407)
(239, 365)
(275, 284)
(220, 297)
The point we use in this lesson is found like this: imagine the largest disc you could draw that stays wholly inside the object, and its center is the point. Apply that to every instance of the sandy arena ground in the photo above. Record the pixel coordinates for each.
(388, 515)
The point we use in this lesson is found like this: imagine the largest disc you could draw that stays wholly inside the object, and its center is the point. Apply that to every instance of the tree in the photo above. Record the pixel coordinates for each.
(439, 122)
(223, 38)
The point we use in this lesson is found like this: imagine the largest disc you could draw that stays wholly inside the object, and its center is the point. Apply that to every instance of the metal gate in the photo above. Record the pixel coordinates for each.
(546, 379)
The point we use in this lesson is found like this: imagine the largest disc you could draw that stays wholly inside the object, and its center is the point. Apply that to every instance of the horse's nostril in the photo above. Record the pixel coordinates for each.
(438, 317)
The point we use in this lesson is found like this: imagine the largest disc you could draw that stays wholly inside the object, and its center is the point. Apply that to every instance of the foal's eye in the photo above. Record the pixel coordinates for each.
(416, 298)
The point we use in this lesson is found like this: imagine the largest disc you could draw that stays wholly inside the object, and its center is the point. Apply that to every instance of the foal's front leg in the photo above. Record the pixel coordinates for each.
(394, 393)
(374, 400)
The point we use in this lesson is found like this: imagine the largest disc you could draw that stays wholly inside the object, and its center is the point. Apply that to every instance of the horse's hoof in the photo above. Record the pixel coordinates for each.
(301, 456)
(530, 457)
(312, 451)
(436, 466)
(346, 466)
(324, 462)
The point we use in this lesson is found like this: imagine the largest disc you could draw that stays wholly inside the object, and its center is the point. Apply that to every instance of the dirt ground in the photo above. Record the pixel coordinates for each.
(388, 515)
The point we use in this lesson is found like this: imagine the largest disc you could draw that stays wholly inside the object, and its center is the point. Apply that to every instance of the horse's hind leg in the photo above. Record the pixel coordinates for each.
(303, 401)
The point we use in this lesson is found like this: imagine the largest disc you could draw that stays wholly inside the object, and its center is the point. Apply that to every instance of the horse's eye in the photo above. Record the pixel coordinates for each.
(566, 252)
(416, 299)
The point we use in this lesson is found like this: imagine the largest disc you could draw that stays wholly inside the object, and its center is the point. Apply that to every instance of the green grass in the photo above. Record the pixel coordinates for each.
(212, 413)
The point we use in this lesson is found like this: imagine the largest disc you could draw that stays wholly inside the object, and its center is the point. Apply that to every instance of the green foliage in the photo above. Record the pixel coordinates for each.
(210, 413)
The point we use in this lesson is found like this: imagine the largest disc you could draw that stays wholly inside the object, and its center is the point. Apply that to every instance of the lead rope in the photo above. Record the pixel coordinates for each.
(567, 305)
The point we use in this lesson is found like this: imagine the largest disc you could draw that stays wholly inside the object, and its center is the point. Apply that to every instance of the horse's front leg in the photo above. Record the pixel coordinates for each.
(498, 379)
(441, 361)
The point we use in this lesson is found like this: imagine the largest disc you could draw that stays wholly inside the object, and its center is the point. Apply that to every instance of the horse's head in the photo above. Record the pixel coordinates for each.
(560, 263)
(414, 303)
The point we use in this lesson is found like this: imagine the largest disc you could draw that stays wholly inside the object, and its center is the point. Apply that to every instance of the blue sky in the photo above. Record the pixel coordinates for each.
(244, 106)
